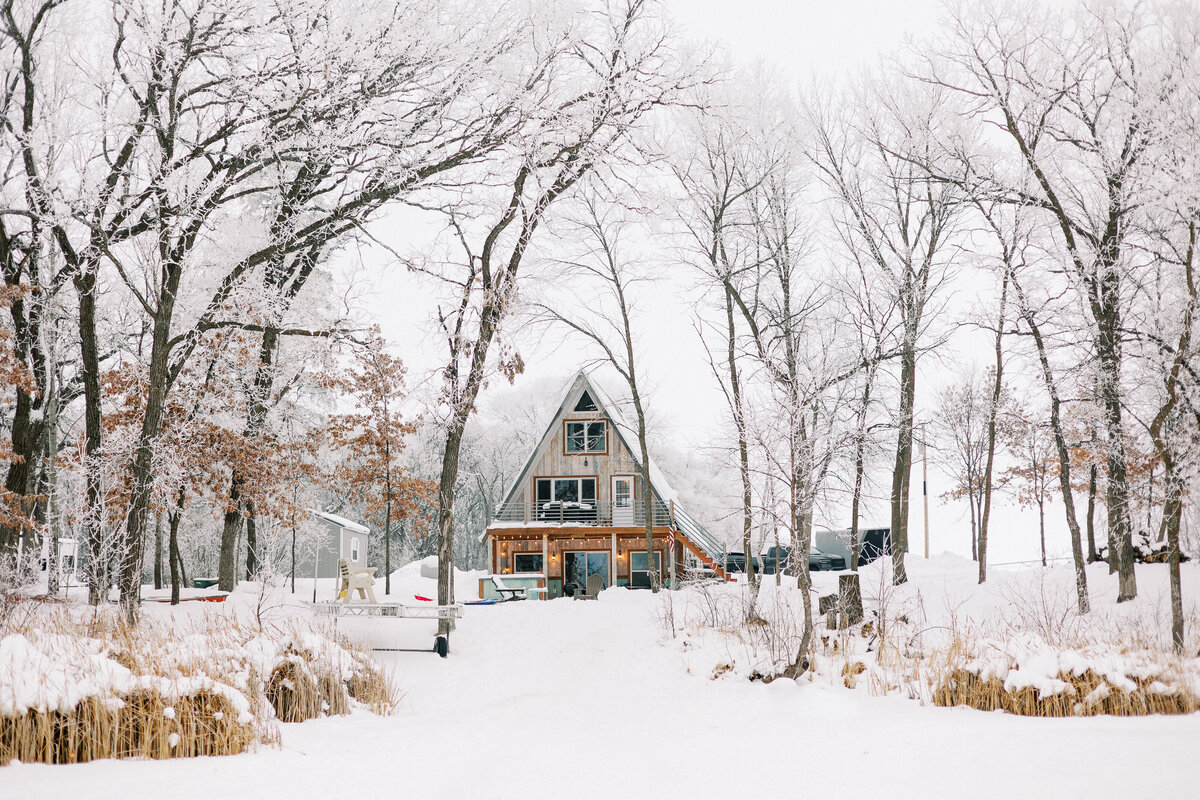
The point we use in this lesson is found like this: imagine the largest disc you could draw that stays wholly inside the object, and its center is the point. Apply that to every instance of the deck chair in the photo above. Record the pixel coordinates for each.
(361, 580)
(595, 585)
(508, 592)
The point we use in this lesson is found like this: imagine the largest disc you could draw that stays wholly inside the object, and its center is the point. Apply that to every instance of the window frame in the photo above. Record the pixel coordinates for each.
(567, 423)
(538, 556)
(354, 549)
(578, 479)
(658, 557)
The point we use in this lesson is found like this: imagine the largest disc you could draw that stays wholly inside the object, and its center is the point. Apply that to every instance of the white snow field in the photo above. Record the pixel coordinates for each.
(595, 700)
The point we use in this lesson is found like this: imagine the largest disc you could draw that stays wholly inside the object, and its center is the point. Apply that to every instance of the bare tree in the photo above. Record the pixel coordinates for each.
(898, 223)
(1076, 97)
(963, 419)
(593, 84)
(608, 325)
(716, 173)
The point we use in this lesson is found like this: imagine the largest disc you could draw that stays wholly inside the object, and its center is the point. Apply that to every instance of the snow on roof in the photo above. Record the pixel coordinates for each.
(627, 432)
(349, 525)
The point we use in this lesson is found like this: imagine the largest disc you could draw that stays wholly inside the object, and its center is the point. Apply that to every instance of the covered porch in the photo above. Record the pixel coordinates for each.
(566, 556)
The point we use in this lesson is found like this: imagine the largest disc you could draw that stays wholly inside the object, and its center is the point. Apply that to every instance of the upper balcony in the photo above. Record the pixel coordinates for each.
(558, 513)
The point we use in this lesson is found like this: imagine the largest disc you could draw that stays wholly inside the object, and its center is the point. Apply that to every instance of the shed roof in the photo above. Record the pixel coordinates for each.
(342, 522)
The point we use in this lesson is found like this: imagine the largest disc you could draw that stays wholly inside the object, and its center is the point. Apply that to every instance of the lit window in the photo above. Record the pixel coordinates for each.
(587, 437)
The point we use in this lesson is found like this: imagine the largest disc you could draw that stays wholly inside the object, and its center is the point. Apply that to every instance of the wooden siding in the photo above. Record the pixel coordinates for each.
(555, 462)
(505, 543)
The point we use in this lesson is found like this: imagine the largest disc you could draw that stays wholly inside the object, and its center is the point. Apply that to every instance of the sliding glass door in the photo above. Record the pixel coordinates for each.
(577, 566)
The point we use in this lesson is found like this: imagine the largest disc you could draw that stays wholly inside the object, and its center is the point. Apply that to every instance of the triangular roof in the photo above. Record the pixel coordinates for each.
(692, 532)
(625, 432)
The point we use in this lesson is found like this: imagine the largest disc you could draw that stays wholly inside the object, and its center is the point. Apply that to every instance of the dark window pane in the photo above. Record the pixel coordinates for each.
(527, 562)
(566, 491)
(589, 490)
(637, 560)
(597, 564)
(576, 437)
(543, 491)
(575, 569)
(595, 437)
(585, 403)
(639, 576)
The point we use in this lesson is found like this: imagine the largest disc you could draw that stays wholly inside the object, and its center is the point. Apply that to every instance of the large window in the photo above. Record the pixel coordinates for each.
(639, 576)
(566, 490)
(527, 562)
(587, 436)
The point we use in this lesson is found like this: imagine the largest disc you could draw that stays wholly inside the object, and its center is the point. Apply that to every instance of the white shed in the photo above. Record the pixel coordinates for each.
(339, 538)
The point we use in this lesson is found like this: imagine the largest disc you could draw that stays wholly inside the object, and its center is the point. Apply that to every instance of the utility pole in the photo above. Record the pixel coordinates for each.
(925, 484)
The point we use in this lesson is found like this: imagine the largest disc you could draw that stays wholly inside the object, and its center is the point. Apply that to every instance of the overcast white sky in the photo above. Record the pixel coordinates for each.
(800, 39)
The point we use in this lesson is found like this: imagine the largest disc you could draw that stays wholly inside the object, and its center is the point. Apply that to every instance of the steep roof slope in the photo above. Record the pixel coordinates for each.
(662, 489)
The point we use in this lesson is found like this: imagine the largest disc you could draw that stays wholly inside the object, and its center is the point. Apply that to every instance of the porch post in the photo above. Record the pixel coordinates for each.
(674, 552)
(613, 560)
(546, 563)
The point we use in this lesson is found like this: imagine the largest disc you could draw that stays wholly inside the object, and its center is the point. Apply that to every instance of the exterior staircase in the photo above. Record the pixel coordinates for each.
(698, 541)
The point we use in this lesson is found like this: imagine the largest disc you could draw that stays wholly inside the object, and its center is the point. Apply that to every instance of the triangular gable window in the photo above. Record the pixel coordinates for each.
(586, 403)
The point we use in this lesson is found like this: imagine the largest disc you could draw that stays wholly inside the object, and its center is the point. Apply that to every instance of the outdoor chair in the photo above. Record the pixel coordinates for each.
(361, 580)
(595, 585)
(508, 592)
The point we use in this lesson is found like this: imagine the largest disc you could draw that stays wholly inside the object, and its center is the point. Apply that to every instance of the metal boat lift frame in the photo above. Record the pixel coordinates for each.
(441, 644)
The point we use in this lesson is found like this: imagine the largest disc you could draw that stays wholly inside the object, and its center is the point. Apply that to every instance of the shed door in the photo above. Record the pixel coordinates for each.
(622, 500)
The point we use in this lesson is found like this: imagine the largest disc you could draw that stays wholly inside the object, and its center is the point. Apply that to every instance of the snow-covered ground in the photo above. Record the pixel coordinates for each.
(596, 700)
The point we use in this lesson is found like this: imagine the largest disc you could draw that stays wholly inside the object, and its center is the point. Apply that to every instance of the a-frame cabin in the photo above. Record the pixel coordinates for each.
(577, 508)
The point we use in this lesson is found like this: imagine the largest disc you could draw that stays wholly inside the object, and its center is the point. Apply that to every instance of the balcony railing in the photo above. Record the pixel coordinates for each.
(582, 513)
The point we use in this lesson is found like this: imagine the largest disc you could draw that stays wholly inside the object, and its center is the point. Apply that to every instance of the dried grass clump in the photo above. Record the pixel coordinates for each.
(77, 687)
(371, 687)
(1083, 696)
(850, 673)
(143, 724)
(293, 691)
(306, 685)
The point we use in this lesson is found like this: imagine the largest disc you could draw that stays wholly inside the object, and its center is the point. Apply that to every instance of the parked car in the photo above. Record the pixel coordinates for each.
(736, 562)
(778, 558)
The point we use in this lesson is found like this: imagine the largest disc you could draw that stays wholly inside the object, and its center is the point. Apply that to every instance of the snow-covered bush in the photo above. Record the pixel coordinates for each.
(76, 686)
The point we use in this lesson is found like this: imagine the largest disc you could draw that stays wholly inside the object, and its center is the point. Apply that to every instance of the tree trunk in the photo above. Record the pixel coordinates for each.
(735, 388)
(1042, 527)
(27, 426)
(293, 572)
(142, 472)
(974, 526)
(53, 557)
(100, 569)
(231, 532)
(1172, 515)
(456, 427)
(158, 551)
(855, 500)
(251, 542)
(993, 412)
(1064, 458)
(387, 529)
(173, 556)
(801, 663)
(446, 487)
(1120, 534)
(901, 471)
(1092, 556)
(860, 446)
